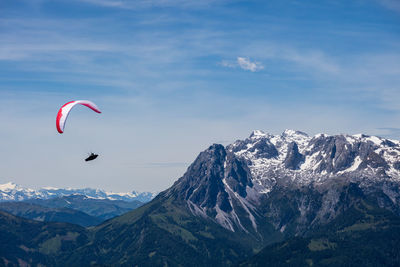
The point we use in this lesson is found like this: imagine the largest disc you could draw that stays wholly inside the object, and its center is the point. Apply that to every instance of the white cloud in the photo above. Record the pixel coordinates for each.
(246, 64)
(243, 63)
(311, 59)
(108, 3)
(228, 64)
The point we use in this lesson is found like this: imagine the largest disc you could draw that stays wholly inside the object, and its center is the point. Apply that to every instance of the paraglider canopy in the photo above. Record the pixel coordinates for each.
(62, 114)
(64, 111)
(91, 157)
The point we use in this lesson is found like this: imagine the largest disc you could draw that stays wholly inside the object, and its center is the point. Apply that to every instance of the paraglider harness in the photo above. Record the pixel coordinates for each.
(91, 157)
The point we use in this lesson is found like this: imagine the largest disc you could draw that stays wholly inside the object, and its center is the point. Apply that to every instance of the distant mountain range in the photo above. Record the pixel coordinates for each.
(275, 200)
(75, 209)
(13, 192)
(46, 214)
(102, 209)
(86, 207)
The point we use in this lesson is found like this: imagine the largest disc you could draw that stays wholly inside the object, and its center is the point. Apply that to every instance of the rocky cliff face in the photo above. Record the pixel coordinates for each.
(216, 186)
(291, 180)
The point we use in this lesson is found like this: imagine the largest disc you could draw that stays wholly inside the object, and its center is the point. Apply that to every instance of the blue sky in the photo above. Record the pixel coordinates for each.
(174, 76)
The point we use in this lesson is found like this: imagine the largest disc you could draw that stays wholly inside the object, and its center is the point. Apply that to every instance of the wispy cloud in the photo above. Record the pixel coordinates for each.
(164, 164)
(136, 4)
(314, 59)
(243, 63)
(109, 3)
(389, 132)
(228, 64)
(304, 59)
(391, 4)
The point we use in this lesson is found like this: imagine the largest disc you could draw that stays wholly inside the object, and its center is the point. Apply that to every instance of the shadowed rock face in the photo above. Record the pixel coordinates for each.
(202, 183)
(374, 160)
(396, 165)
(293, 157)
(238, 175)
(262, 148)
(338, 153)
(216, 185)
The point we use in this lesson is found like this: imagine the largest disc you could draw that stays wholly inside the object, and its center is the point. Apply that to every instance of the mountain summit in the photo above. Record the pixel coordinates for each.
(232, 184)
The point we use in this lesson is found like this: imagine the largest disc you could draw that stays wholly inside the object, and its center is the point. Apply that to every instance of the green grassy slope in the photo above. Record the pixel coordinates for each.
(25, 242)
(364, 235)
(162, 233)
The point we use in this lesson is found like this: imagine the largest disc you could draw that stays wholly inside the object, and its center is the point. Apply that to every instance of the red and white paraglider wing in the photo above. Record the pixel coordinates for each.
(66, 108)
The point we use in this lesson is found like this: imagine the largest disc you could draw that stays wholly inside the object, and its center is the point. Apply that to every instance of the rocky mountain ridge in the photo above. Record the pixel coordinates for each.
(234, 185)
(314, 159)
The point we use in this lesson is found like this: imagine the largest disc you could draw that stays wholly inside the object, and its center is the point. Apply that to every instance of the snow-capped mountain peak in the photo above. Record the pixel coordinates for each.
(320, 155)
(8, 186)
(289, 132)
(13, 192)
(257, 134)
(224, 182)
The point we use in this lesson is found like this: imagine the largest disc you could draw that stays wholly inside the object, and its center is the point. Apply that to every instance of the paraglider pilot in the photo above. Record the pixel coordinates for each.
(91, 157)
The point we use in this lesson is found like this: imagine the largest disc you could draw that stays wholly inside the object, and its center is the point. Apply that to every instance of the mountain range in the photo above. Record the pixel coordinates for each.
(282, 200)
(75, 209)
(85, 207)
(13, 192)
(46, 214)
